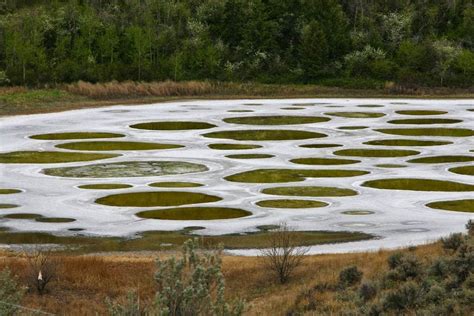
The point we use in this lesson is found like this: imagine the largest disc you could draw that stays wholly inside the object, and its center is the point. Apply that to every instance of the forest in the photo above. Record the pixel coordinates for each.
(347, 43)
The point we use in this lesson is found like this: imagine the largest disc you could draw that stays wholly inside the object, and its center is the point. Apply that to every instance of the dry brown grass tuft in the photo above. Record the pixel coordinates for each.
(116, 89)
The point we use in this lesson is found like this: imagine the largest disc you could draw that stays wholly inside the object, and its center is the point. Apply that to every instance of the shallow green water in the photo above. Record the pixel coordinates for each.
(323, 161)
(313, 191)
(250, 156)
(361, 115)
(425, 121)
(446, 132)
(290, 175)
(55, 220)
(357, 212)
(10, 191)
(173, 126)
(233, 146)
(315, 146)
(276, 120)
(194, 213)
(454, 205)
(6, 205)
(291, 204)
(420, 112)
(390, 165)
(465, 170)
(379, 153)
(350, 128)
(22, 216)
(105, 186)
(419, 185)
(406, 142)
(75, 135)
(127, 169)
(442, 159)
(157, 198)
(175, 185)
(263, 135)
(106, 146)
(51, 157)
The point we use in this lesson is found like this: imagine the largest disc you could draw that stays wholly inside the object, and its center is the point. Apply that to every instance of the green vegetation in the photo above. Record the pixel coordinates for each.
(356, 114)
(323, 161)
(333, 43)
(425, 121)
(22, 216)
(291, 204)
(379, 153)
(156, 198)
(173, 126)
(175, 185)
(406, 142)
(456, 205)
(233, 146)
(312, 191)
(263, 135)
(290, 175)
(194, 213)
(105, 186)
(465, 170)
(442, 159)
(411, 283)
(420, 112)
(127, 169)
(276, 120)
(320, 145)
(240, 111)
(419, 185)
(390, 165)
(5, 205)
(442, 132)
(55, 220)
(370, 106)
(10, 191)
(50, 157)
(250, 156)
(165, 240)
(105, 146)
(357, 212)
(75, 135)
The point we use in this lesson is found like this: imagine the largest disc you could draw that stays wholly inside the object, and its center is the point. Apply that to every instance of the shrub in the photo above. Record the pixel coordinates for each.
(452, 242)
(404, 266)
(402, 298)
(283, 254)
(470, 227)
(367, 291)
(193, 284)
(130, 308)
(10, 293)
(350, 276)
(41, 270)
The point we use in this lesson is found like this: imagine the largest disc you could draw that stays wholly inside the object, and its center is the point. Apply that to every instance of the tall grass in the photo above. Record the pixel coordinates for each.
(116, 89)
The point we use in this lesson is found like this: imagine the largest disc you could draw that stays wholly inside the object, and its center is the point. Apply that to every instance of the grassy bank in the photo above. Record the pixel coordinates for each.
(84, 282)
(20, 100)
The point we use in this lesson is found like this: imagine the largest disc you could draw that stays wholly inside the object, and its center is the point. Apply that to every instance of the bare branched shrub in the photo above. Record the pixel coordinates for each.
(284, 254)
(10, 293)
(41, 270)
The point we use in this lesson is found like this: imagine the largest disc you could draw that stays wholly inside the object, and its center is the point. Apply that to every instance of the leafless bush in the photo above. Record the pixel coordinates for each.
(284, 254)
(41, 270)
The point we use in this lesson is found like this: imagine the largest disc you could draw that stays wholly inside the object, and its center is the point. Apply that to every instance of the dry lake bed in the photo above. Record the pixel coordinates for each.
(400, 170)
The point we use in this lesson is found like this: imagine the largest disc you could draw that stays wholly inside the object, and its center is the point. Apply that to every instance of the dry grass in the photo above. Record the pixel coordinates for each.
(84, 282)
(116, 89)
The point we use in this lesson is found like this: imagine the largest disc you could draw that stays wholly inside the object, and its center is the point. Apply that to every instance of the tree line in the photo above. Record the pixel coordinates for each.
(335, 42)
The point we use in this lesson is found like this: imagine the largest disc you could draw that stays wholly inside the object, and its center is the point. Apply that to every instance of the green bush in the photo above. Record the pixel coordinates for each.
(11, 293)
(350, 276)
(452, 242)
